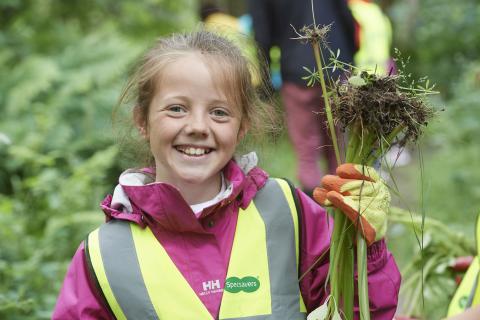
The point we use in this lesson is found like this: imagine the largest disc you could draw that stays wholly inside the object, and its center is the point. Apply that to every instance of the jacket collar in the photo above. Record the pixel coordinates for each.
(139, 199)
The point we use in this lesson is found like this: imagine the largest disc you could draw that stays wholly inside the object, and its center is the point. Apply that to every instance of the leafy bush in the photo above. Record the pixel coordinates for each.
(453, 188)
(442, 36)
(451, 203)
(428, 270)
(63, 65)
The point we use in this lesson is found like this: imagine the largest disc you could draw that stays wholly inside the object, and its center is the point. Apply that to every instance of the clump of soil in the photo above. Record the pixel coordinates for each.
(378, 103)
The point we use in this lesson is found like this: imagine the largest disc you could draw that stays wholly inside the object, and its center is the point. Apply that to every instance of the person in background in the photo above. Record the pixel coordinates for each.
(236, 29)
(213, 16)
(199, 233)
(306, 122)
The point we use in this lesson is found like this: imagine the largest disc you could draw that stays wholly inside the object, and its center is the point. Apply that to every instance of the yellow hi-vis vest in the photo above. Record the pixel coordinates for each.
(468, 292)
(375, 36)
(139, 280)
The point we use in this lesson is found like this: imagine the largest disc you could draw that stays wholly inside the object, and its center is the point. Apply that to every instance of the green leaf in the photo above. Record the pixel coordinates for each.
(336, 316)
(308, 70)
(357, 81)
(320, 313)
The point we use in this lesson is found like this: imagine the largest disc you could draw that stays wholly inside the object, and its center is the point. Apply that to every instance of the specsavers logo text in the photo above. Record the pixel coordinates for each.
(246, 284)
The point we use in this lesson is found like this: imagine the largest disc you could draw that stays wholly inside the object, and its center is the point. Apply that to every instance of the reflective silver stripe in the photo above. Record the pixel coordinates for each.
(282, 265)
(472, 293)
(127, 287)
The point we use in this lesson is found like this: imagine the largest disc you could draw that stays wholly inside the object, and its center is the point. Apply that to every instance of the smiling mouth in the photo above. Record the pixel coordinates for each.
(193, 151)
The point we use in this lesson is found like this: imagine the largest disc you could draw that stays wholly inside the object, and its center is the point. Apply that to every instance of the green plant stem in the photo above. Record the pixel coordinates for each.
(362, 143)
(338, 252)
(337, 249)
(341, 266)
(348, 287)
(380, 151)
(353, 142)
(328, 109)
(364, 304)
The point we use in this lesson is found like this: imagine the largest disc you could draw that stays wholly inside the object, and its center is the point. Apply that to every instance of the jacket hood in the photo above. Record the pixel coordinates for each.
(137, 197)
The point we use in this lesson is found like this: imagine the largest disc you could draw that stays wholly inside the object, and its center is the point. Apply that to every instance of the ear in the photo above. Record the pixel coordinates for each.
(140, 121)
(242, 132)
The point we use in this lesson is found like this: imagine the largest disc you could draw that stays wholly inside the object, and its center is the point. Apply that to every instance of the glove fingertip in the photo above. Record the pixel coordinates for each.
(327, 178)
(356, 171)
(320, 195)
(333, 183)
(335, 197)
(346, 168)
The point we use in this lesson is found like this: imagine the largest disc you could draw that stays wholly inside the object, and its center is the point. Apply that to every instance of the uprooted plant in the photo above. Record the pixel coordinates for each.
(375, 112)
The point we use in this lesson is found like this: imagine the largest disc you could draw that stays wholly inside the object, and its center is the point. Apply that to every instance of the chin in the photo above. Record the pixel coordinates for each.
(193, 178)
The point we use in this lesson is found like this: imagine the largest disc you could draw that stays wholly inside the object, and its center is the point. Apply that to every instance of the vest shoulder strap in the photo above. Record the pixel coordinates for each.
(298, 210)
(93, 276)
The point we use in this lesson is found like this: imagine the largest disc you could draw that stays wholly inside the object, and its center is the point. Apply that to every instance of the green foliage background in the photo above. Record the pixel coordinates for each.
(442, 39)
(62, 66)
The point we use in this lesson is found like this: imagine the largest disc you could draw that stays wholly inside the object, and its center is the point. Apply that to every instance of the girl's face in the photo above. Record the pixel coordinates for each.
(192, 129)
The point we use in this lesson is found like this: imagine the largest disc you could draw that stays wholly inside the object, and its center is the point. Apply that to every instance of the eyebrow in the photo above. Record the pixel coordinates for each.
(188, 99)
(224, 101)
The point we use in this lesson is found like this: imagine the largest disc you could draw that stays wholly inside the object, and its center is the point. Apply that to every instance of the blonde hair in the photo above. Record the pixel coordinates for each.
(233, 73)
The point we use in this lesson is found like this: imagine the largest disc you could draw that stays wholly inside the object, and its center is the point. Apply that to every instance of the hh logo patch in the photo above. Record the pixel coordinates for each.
(246, 284)
(211, 286)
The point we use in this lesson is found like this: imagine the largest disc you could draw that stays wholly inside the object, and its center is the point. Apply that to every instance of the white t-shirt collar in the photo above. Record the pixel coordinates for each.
(224, 193)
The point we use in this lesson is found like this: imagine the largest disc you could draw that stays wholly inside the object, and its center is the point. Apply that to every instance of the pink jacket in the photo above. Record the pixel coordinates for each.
(200, 247)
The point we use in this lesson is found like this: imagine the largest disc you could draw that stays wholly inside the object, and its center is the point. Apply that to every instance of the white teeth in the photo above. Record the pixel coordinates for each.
(193, 151)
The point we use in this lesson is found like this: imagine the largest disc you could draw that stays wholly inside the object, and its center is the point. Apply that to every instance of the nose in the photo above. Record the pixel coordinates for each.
(197, 125)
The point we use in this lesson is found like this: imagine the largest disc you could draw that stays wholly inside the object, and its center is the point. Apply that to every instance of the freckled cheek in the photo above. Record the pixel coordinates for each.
(230, 139)
(159, 138)
(163, 127)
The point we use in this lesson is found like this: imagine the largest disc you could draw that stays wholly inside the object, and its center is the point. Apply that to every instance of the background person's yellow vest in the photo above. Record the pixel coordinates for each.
(229, 26)
(375, 36)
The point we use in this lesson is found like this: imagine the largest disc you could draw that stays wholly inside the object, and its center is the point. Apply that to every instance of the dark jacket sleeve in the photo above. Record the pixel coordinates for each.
(260, 12)
(274, 22)
(348, 21)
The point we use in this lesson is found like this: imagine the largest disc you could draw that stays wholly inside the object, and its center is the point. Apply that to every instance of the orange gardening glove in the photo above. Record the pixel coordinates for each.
(361, 195)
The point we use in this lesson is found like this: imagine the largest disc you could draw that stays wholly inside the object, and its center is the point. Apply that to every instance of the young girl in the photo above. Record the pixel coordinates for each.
(201, 235)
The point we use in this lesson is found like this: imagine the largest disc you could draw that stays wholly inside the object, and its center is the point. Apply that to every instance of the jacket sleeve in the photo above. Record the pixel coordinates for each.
(349, 22)
(383, 274)
(260, 11)
(78, 298)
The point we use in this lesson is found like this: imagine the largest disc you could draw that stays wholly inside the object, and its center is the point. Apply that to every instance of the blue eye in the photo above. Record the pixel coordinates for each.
(176, 108)
(219, 113)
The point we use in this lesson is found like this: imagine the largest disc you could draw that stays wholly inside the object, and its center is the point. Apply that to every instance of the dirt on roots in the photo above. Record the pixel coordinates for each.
(380, 106)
